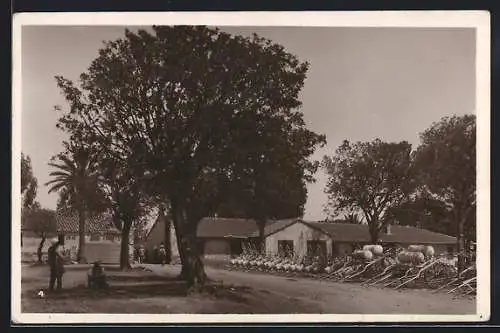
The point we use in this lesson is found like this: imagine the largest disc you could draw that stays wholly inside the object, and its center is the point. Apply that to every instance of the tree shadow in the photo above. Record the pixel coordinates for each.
(147, 287)
(239, 294)
(128, 291)
(142, 278)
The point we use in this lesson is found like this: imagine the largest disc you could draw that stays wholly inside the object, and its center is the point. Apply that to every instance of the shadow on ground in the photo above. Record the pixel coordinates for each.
(126, 287)
(143, 278)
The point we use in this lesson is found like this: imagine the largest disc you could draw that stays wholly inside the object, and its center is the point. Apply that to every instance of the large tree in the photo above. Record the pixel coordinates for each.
(77, 183)
(125, 198)
(273, 183)
(177, 104)
(42, 222)
(370, 177)
(422, 211)
(446, 164)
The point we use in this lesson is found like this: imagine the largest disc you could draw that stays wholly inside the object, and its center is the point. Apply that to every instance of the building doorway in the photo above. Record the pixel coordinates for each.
(235, 246)
(316, 248)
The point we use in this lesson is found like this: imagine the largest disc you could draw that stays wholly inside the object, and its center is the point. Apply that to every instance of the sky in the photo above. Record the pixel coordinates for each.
(363, 84)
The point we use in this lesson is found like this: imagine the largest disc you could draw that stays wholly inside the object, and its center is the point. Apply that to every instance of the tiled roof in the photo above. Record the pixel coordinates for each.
(211, 227)
(417, 236)
(67, 222)
(348, 232)
(273, 226)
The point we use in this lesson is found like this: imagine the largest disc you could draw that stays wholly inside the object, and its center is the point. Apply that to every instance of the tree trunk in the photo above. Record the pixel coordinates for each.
(180, 249)
(261, 246)
(460, 244)
(40, 247)
(166, 241)
(124, 246)
(192, 270)
(81, 258)
(374, 231)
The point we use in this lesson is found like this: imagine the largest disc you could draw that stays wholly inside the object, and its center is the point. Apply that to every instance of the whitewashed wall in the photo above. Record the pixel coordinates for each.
(299, 233)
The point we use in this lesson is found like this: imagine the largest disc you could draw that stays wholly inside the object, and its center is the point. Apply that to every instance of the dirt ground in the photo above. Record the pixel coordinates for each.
(139, 292)
(343, 298)
(157, 291)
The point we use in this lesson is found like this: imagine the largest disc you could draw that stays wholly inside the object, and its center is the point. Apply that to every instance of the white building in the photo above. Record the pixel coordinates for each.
(226, 237)
(102, 238)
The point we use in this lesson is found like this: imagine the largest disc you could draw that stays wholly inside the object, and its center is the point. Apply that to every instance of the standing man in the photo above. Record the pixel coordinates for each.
(56, 264)
(162, 254)
(154, 258)
(141, 254)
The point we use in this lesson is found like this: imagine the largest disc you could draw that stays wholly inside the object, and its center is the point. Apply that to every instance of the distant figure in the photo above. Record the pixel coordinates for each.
(136, 254)
(154, 257)
(141, 255)
(56, 264)
(162, 254)
(96, 277)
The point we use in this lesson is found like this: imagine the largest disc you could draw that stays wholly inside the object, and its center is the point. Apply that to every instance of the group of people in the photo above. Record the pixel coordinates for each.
(56, 257)
(157, 256)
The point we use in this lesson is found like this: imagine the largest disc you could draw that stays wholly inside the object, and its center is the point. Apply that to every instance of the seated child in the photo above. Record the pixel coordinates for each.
(96, 277)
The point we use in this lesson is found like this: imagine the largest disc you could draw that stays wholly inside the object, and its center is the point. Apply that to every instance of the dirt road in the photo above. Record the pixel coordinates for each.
(342, 298)
(138, 291)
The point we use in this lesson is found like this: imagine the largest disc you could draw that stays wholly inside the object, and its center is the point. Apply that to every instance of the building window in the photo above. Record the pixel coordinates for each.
(285, 248)
(316, 248)
(95, 238)
(110, 237)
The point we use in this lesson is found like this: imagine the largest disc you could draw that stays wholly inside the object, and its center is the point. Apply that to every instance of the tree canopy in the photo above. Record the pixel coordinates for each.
(182, 107)
(446, 161)
(75, 178)
(446, 164)
(424, 212)
(29, 183)
(40, 221)
(370, 177)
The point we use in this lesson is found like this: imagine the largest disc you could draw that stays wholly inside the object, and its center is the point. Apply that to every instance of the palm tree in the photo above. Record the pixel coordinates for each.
(76, 180)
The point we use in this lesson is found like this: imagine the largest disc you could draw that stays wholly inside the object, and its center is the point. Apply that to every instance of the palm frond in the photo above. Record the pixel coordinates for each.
(60, 173)
(67, 180)
(65, 167)
(57, 187)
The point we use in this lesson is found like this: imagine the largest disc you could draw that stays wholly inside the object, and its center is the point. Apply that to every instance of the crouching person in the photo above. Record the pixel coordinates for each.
(96, 277)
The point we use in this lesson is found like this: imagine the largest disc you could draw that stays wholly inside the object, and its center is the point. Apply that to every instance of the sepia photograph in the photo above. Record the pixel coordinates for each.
(251, 167)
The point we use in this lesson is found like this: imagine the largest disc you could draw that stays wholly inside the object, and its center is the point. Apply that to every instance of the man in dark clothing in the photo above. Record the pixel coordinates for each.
(162, 253)
(154, 258)
(56, 264)
(141, 255)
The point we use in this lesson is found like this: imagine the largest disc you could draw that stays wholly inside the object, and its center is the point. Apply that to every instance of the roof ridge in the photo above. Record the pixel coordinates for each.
(336, 223)
(226, 218)
(424, 229)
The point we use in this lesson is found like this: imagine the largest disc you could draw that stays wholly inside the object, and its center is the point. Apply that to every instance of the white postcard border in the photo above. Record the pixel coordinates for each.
(460, 19)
